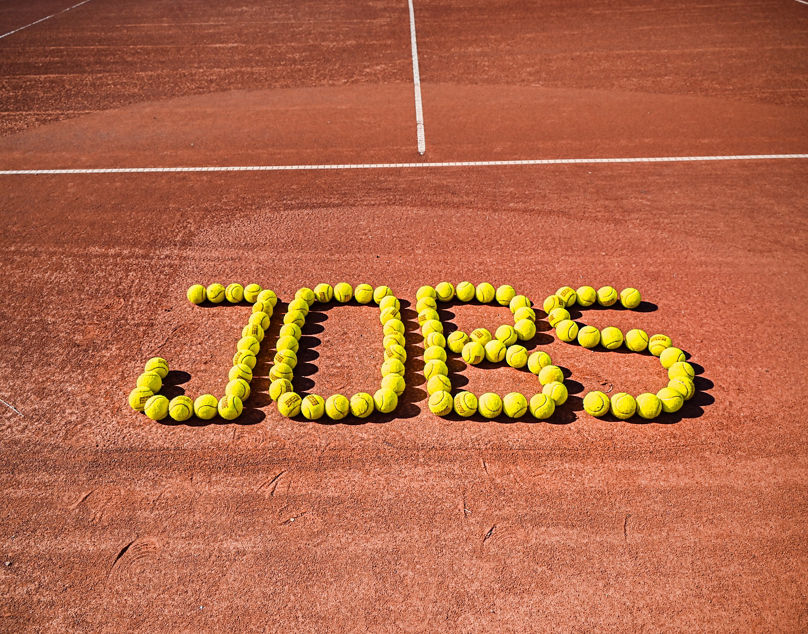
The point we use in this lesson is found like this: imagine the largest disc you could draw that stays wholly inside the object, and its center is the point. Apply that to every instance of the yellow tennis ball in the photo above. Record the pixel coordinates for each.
(246, 357)
(681, 369)
(251, 292)
(392, 366)
(362, 405)
(234, 293)
(386, 314)
(289, 357)
(281, 371)
(505, 294)
(323, 293)
(181, 408)
(588, 337)
(481, 335)
(249, 343)
(514, 405)
(464, 291)
(597, 404)
(263, 307)
(465, 404)
(394, 382)
(381, 292)
(240, 371)
(205, 407)
(287, 342)
(551, 302)
(519, 301)
(138, 398)
(526, 312)
(313, 406)
(394, 338)
(434, 352)
(424, 303)
(425, 291)
(337, 407)
(253, 330)
(215, 293)
(611, 338)
(230, 407)
(630, 298)
(506, 334)
(196, 294)
(151, 381)
(516, 356)
(671, 355)
(426, 314)
(396, 325)
(437, 383)
(289, 404)
(623, 406)
(557, 391)
(434, 367)
(567, 295)
(363, 293)
(431, 325)
(435, 339)
(156, 407)
(542, 406)
(445, 291)
(525, 329)
(385, 400)
(343, 292)
(607, 295)
(684, 386)
(158, 365)
(586, 296)
(259, 319)
(297, 317)
(484, 293)
(441, 403)
(298, 305)
(538, 360)
(557, 315)
(490, 405)
(494, 351)
(390, 301)
(278, 387)
(636, 340)
(648, 406)
(473, 352)
(398, 352)
(266, 296)
(288, 330)
(306, 294)
(672, 401)
(457, 340)
(658, 343)
(238, 387)
(567, 330)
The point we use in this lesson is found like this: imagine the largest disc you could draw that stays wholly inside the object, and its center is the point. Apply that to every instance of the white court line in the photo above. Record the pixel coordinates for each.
(47, 17)
(801, 1)
(369, 166)
(416, 79)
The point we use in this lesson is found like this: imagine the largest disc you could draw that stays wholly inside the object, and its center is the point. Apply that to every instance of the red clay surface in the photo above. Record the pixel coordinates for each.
(408, 522)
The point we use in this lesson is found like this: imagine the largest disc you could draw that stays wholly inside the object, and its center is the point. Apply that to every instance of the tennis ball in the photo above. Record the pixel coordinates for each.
(567, 330)
(538, 360)
(392, 366)
(465, 404)
(215, 293)
(433, 367)
(306, 294)
(297, 317)
(380, 292)
(684, 386)
(390, 301)
(267, 296)
(251, 292)
(557, 315)
(671, 355)
(525, 329)
(445, 291)
(385, 400)
(398, 352)
(557, 391)
(648, 406)
(363, 293)
(181, 408)
(394, 382)
(240, 371)
(567, 295)
(435, 339)
(138, 398)
(151, 381)
(681, 369)
(516, 356)
(431, 325)
(517, 302)
(552, 302)
(611, 338)
(238, 387)
(156, 407)
(657, 343)
(425, 291)
(465, 291)
(196, 294)
(484, 293)
(550, 373)
(473, 352)
(506, 334)
(542, 406)
(396, 325)
(394, 338)
(586, 296)
(505, 294)
(441, 403)
(630, 297)
(672, 401)
(337, 407)
(281, 371)
(323, 293)
(481, 335)
(514, 405)
(588, 337)
(494, 351)
(259, 319)
(278, 387)
(253, 330)
(490, 405)
(298, 303)
(343, 292)
(457, 340)
(313, 406)
(234, 293)
(426, 314)
(249, 343)
(607, 295)
(597, 404)
(205, 407)
(434, 352)
(425, 302)
(158, 365)
(246, 357)
(289, 404)
(636, 340)
(386, 314)
(524, 313)
(288, 342)
(623, 406)
(289, 357)
(262, 307)
(230, 407)
(362, 405)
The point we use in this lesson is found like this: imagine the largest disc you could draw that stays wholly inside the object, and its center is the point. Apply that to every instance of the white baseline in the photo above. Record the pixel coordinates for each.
(416, 80)
(47, 17)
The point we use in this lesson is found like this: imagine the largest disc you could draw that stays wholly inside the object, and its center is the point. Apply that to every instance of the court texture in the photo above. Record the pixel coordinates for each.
(148, 146)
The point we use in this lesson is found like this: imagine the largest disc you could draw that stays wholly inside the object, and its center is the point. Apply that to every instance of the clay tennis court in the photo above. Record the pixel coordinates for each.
(405, 522)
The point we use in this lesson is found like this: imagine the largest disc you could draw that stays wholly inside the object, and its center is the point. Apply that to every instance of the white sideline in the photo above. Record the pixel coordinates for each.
(416, 79)
(47, 17)
(369, 166)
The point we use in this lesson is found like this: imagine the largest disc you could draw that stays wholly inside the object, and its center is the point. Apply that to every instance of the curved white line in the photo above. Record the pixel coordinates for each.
(47, 17)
